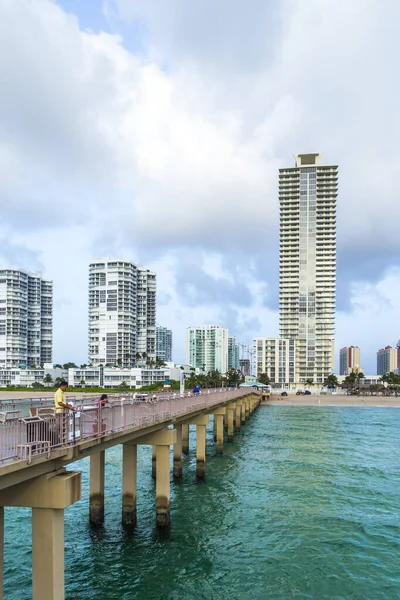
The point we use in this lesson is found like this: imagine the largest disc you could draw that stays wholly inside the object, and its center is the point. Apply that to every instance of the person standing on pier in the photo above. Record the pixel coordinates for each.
(59, 399)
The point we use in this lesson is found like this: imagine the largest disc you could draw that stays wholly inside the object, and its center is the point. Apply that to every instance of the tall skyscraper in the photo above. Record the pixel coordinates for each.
(163, 343)
(307, 295)
(233, 354)
(121, 312)
(349, 360)
(26, 318)
(207, 347)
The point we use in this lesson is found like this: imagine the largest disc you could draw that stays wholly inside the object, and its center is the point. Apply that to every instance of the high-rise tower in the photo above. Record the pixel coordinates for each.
(307, 286)
(26, 318)
(122, 313)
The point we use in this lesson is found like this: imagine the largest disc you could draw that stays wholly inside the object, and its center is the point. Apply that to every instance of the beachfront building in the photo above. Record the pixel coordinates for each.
(349, 360)
(26, 318)
(388, 360)
(307, 290)
(277, 358)
(114, 377)
(163, 343)
(122, 309)
(233, 354)
(207, 348)
(146, 313)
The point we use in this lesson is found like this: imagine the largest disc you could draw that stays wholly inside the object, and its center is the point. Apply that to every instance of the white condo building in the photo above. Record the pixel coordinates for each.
(307, 289)
(26, 319)
(277, 358)
(121, 312)
(146, 313)
(207, 347)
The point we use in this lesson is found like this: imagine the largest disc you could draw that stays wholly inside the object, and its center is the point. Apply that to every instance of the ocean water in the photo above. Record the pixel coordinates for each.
(305, 504)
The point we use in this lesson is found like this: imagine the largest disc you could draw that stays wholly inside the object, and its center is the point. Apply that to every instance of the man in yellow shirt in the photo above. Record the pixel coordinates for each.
(59, 398)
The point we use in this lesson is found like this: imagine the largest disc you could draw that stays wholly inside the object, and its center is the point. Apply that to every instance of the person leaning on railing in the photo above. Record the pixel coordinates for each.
(59, 399)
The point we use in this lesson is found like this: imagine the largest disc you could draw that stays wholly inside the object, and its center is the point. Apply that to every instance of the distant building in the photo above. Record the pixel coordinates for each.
(349, 360)
(27, 377)
(233, 354)
(245, 366)
(26, 318)
(146, 313)
(207, 347)
(388, 360)
(277, 358)
(122, 313)
(307, 289)
(163, 343)
(113, 377)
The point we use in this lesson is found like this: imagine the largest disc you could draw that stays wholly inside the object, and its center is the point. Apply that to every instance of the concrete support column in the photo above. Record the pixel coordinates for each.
(1, 550)
(243, 412)
(247, 408)
(48, 496)
(219, 419)
(47, 554)
(215, 429)
(129, 482)
(162, 440)
(96, 500)
(200, 451)
(178, 453)
(185, 439)
(226, 419)
(237, 416)
(162, 487)
(231, 412)
(153, 462)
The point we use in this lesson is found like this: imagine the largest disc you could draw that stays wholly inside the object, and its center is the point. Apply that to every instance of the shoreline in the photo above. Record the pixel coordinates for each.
(342, 400)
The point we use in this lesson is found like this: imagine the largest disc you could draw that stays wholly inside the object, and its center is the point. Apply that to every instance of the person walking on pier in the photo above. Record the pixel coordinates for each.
(102, 401)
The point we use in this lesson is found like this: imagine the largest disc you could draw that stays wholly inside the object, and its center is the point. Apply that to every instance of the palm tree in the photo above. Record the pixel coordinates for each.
(48, 379)
(331, 381)
(309, 382)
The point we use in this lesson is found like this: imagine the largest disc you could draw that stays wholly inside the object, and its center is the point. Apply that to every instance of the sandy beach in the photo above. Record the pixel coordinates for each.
(330, 400)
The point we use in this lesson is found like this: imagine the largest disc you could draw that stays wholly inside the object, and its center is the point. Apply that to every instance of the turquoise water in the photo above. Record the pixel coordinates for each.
(304, 504)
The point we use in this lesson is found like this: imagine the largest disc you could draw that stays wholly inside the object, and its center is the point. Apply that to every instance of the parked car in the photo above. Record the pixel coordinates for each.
(307, 393)
(284, 394)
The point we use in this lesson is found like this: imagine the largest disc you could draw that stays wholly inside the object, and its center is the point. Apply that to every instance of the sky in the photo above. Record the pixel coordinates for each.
(153, 131)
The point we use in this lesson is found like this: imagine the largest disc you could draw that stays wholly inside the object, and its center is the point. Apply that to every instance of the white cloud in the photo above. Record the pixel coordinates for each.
(174, 151)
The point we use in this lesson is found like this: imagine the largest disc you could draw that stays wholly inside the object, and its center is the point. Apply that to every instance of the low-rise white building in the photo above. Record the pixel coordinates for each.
(112, 377)
(25, 377)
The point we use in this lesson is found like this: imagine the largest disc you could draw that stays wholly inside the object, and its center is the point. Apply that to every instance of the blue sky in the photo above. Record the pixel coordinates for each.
(154, 131)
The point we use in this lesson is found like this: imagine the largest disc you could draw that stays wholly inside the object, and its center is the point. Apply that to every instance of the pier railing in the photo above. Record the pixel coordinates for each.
(29, 429)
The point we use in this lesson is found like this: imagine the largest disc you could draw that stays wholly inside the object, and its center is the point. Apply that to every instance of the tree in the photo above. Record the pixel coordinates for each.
(82, 382)
(69, 365)
(263, 378)
(309, 382)
(48, 379)
(233, 377)
(123, 385)
(331, 381)
(83, 366)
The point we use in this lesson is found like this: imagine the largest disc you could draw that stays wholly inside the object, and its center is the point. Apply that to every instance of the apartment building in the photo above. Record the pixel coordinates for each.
(207, 347)
(277, 358)
(26, 318)
(122, 312)
(349, 360)
(307, 290)
(233, 354)
(163, 343)
(388, 360)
